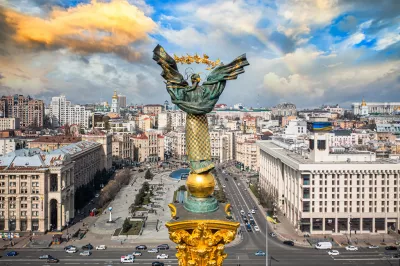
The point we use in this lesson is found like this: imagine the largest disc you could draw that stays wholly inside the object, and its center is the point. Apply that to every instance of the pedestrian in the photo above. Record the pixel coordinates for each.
(121, 242)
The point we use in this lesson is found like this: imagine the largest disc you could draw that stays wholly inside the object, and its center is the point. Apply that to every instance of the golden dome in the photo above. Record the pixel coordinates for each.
(363, 103)
(201, 185)
(115, 96)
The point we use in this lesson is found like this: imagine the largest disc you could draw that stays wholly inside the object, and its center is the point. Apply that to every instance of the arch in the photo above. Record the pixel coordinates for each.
(53, 203)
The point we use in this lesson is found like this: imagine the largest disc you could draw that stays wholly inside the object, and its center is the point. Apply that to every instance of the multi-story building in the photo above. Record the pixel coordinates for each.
(392, 128)
(30, 111)
(295, 128)
(284, 109)
(374, 108)
(50, 143)
(334, 109)
(222, 145)
(7, 145)
(115, 105)
(149, 146)
(152, 109)
(241, 113)
(122, 100)
(164, 121)
(9, 123)
(330, 190)
(105, 140)
(175, 144)
(122, 147)
(246, 150)
(62, 112)
(36, 192)
(144, 123)
(178, 120)
(249, 125)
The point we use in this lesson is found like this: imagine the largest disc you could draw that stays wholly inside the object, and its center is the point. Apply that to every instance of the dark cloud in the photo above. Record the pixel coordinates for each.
(348, 24)
(108, 68)
(286, 44)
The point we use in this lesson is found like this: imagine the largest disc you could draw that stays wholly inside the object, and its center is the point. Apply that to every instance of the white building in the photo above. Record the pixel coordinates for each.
(115, 107)
(164, 121)
(334, 109)
(375, 107)
(9, 123)
(295, 128)
(63, 112)
(7, 145)
(122, 101)
(330, 191)
(393, 128)
(178, 119)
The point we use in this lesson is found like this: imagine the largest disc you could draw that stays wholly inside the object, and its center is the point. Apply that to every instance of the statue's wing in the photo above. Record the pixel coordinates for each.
(227, 72)
(170, 70)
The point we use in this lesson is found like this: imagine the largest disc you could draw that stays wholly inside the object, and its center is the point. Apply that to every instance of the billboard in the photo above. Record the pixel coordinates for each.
(319, 126)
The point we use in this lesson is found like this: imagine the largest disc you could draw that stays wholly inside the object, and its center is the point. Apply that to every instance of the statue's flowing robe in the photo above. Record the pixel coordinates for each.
(197, 102)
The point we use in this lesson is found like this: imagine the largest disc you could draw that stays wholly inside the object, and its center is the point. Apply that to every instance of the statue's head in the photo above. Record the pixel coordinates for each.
(195, 78)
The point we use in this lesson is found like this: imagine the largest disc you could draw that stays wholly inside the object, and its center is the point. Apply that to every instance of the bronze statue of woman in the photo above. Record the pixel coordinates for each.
(197, 100)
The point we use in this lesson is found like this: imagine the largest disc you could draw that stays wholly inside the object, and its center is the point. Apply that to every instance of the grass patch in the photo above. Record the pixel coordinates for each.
(116, 232)
(135, 229)
(254, 190)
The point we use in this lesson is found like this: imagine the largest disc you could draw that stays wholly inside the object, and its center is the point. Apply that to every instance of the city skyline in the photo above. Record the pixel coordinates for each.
(306, 52)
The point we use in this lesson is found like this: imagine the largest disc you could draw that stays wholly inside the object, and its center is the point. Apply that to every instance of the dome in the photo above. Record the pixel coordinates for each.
(115, 96)
(363, 103)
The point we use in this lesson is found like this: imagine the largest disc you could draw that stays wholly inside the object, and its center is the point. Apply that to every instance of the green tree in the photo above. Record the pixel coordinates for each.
(126, 226)
(148, 175)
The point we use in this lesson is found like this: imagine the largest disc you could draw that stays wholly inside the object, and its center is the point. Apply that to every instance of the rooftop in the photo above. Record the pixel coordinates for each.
(57, 139)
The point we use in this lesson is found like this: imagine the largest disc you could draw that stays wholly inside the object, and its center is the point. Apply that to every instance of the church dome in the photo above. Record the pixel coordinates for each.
(115, 96)
(363, 103)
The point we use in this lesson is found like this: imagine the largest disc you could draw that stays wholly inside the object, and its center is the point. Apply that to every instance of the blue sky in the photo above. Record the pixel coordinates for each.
(308, 52)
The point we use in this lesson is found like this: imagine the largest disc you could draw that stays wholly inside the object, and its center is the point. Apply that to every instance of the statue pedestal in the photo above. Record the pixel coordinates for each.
(200, 205)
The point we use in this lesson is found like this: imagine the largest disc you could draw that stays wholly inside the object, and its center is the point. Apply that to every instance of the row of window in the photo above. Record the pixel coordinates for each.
(371, 182)
(2, 199)
(22, 177)
(22, 213)
(345, 209)
(349, 196)
(22, 191)
(22, 184)
(13, 205)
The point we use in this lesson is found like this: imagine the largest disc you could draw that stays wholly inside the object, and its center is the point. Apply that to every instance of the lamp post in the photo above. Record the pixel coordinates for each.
(350, 228)
(110, 209)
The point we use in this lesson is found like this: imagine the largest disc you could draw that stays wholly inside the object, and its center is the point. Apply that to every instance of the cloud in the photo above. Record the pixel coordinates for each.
(387, 39)
(98, 27)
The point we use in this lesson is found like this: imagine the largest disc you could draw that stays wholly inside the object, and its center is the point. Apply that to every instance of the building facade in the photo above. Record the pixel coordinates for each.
(9, 123)
(105, 140)
(122, 101)
(29, 111)
(62, 112)
(326, 192)
(246, 150)
(284, 109)
(152, 109)
(50, 143)
(374, 107)
(149, 146)
(122, 147)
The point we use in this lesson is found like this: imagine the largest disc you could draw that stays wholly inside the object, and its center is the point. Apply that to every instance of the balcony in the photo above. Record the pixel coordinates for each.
(306, 182)
(306, 195)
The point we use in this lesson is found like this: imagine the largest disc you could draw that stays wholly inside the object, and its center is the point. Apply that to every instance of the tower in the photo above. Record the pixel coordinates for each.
(115, 103)
(364, 108)
(166, 103)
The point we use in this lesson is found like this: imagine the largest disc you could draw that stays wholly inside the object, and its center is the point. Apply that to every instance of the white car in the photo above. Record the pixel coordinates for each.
(373, 246)
(253, 211)
(71, 250)
(101, 247)
(351, 248)
(238, 184)
(256, 228)
(137, 253)
(162, 256)
(153, 250)
(333, 252)
(223, 186)
(127, 259)
(85, 253)
(242, 212)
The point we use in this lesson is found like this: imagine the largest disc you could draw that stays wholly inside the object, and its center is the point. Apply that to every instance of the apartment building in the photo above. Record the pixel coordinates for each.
(50, 143)
(152, 109)
(105, 139)
(122, 147)
(62, 112)
(246, 150)
(9, 123)
(375, 107)
(175, 144)
(29, 111)
(149, 146)
(331, 191)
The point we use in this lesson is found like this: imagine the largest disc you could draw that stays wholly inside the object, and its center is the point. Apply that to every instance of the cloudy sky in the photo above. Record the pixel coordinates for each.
(309, 52)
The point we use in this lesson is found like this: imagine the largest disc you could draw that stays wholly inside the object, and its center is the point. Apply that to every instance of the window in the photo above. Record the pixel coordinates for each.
(12, 184)
(12, 191)
(35, 206)
(35, 214)
(24, 191)
(24, 205)
(23, 184)
(35, 184)
(23, 213)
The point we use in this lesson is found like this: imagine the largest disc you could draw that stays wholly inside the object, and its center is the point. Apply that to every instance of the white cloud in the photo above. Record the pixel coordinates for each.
(387, 39)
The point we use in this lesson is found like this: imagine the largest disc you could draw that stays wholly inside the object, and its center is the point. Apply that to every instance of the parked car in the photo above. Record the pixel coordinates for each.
(87, 247)
(272, 234)
(288, 242)
(333, 252)
(260, 253)
(162, 256)
(163, 247)
(85, 253)
(391, 248)
(101, 247)
(351, 248)
(157, 263)
(373, 246)
(45, 257)
(153, 250)
(141, 247)
(52, 260)
(12, 254)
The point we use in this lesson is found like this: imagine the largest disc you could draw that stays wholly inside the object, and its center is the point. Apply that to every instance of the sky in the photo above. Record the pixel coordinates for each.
(307, 52)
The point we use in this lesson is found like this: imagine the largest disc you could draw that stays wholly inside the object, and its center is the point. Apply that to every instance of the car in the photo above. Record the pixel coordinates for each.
(52, 260)
(223, 186)
(71, 250)
(85, 253)
(157, 263)
(242, 212)
(256, 228)
(226, 179)
(162, 256)
(255, 208)
(127, 259)
(351, 248)
(163, 247)
(391, 248)
(260, 253)
(69, 246)
(288, 242)
(253, 211)
(45, 257)
(101, 247)
(12, 254)
(396, 256)
(153, 250)
(141, 247)
(238, 184)
(136, 253)
(87, 247)
(97, 195)
(333, 252)
(272, 234)
(373, 246)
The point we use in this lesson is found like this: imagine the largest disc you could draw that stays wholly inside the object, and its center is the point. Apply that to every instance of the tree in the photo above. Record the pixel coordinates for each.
(146, 186)
(126, 226)
(148, 174)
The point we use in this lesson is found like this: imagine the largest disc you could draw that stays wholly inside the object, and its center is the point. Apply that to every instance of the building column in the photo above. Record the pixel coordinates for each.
(336, 225)
(63, 214)
(323, 225)
(373, 225)
(6, 216)
(59, 181)
(48, 215)
(18, 215)
(59, 215)
(72, 206)
(361, 225)
(311, 225)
